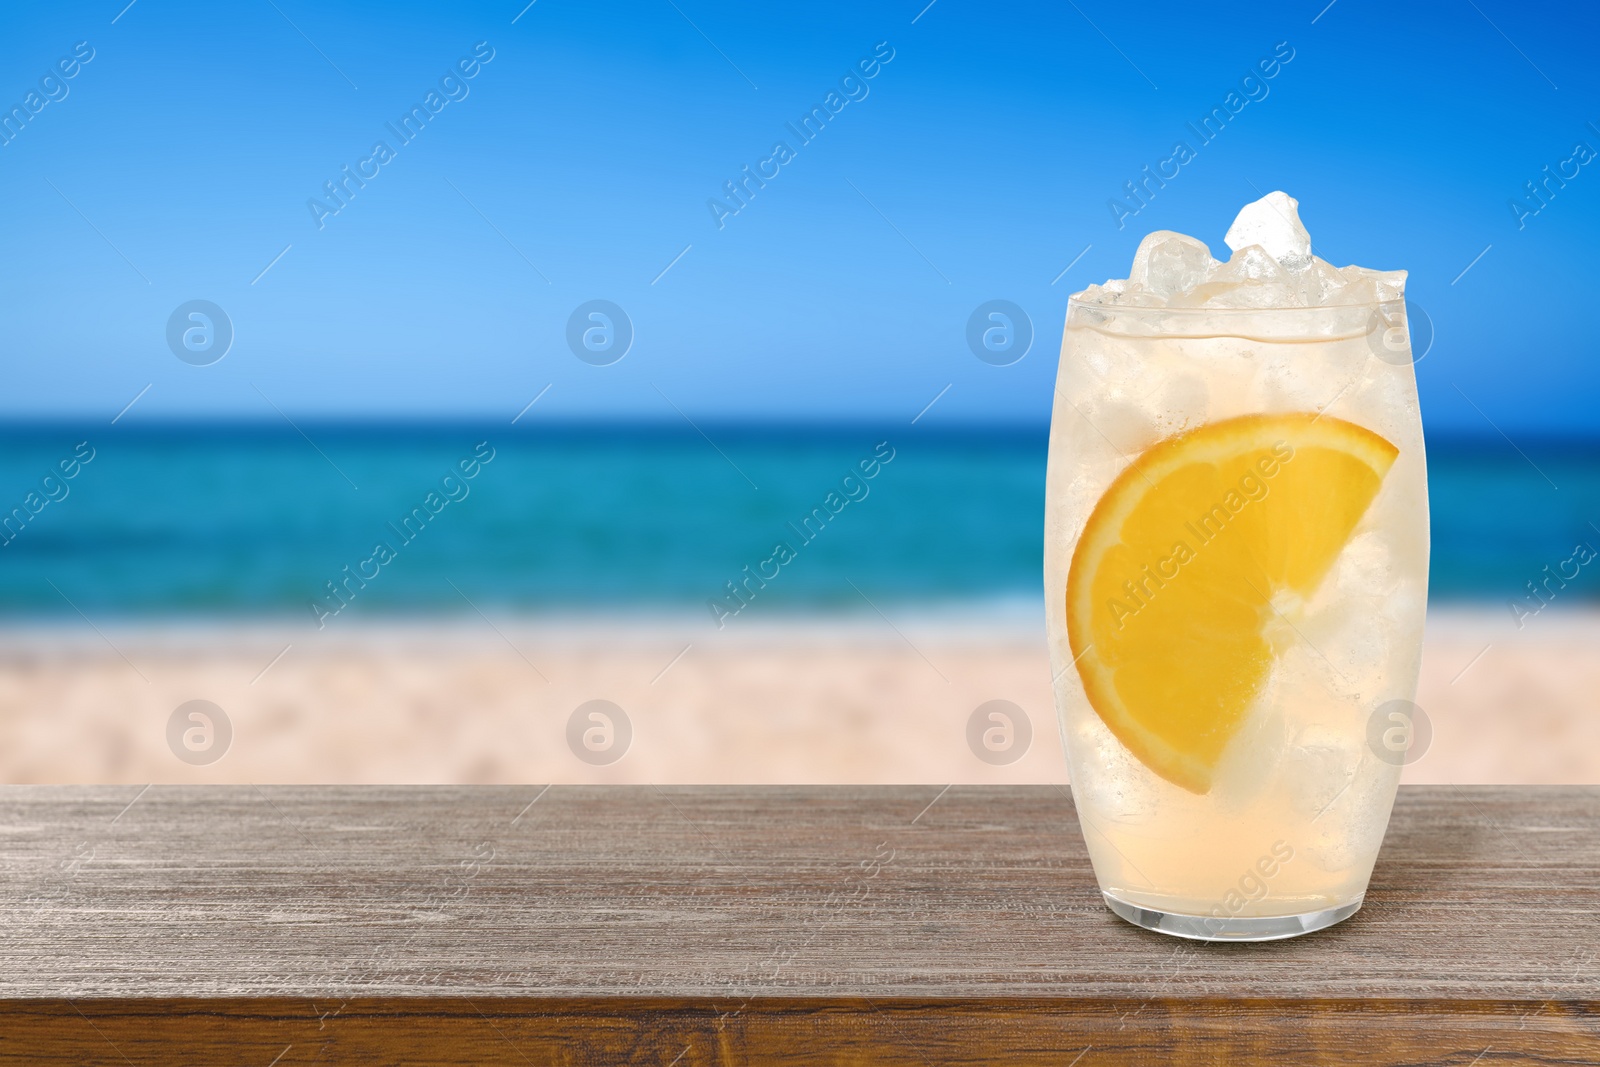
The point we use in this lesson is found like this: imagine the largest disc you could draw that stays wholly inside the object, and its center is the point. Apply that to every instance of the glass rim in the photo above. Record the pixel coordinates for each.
(1074, 301)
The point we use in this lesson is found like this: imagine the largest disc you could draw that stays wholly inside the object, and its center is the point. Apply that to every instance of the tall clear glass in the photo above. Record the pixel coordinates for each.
(1236, 566)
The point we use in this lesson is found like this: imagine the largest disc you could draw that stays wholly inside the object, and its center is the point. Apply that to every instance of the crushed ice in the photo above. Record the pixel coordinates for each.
(1272, 266)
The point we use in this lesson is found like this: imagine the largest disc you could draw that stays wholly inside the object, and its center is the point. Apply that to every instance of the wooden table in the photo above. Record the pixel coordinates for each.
(712, 925)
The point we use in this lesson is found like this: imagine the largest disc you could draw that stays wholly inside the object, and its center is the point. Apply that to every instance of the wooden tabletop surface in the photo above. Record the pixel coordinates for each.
(715, 919)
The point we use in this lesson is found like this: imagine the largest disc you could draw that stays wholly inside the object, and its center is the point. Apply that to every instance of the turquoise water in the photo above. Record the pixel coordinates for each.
(212, 519)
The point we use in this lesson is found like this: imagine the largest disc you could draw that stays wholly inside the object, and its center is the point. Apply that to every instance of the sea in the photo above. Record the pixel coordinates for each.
(322, 520)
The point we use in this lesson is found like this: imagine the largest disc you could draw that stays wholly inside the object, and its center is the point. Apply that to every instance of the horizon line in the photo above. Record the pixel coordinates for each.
(767, 425)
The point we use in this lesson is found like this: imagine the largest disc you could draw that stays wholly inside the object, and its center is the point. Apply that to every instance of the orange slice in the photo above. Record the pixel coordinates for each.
(1189, 557)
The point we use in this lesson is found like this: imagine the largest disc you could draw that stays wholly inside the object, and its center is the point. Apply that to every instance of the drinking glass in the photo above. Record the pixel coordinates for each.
(1236, 565)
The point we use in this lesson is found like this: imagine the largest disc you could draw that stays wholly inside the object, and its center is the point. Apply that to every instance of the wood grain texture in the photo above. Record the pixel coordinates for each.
(707, 925)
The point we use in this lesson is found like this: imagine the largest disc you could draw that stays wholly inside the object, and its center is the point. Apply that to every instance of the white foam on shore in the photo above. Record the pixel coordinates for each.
(1009, 620)
(975, 623)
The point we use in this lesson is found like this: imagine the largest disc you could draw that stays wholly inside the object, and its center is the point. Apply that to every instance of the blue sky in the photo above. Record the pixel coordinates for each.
(975, 164)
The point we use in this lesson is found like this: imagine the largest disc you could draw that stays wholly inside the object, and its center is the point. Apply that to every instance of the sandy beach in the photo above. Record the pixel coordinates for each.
(820, 700)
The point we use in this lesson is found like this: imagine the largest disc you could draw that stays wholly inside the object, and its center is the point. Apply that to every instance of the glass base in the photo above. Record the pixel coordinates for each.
(1236, 928)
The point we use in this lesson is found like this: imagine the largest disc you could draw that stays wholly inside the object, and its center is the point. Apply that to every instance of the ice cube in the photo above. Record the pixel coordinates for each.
(1117, 291)
(1139, 297)
(1365, 568)
(1317, 284)
(1363, 286)
(1252, 278)
(1128, 426)
(1352, 824)
(1185, 402)
(1391, 284)
(1324, 761)
(1252, 263)
(1169, 263)
(1273, 222)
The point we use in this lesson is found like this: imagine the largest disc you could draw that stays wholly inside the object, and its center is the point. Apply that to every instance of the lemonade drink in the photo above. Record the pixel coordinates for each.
(1236, 575)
